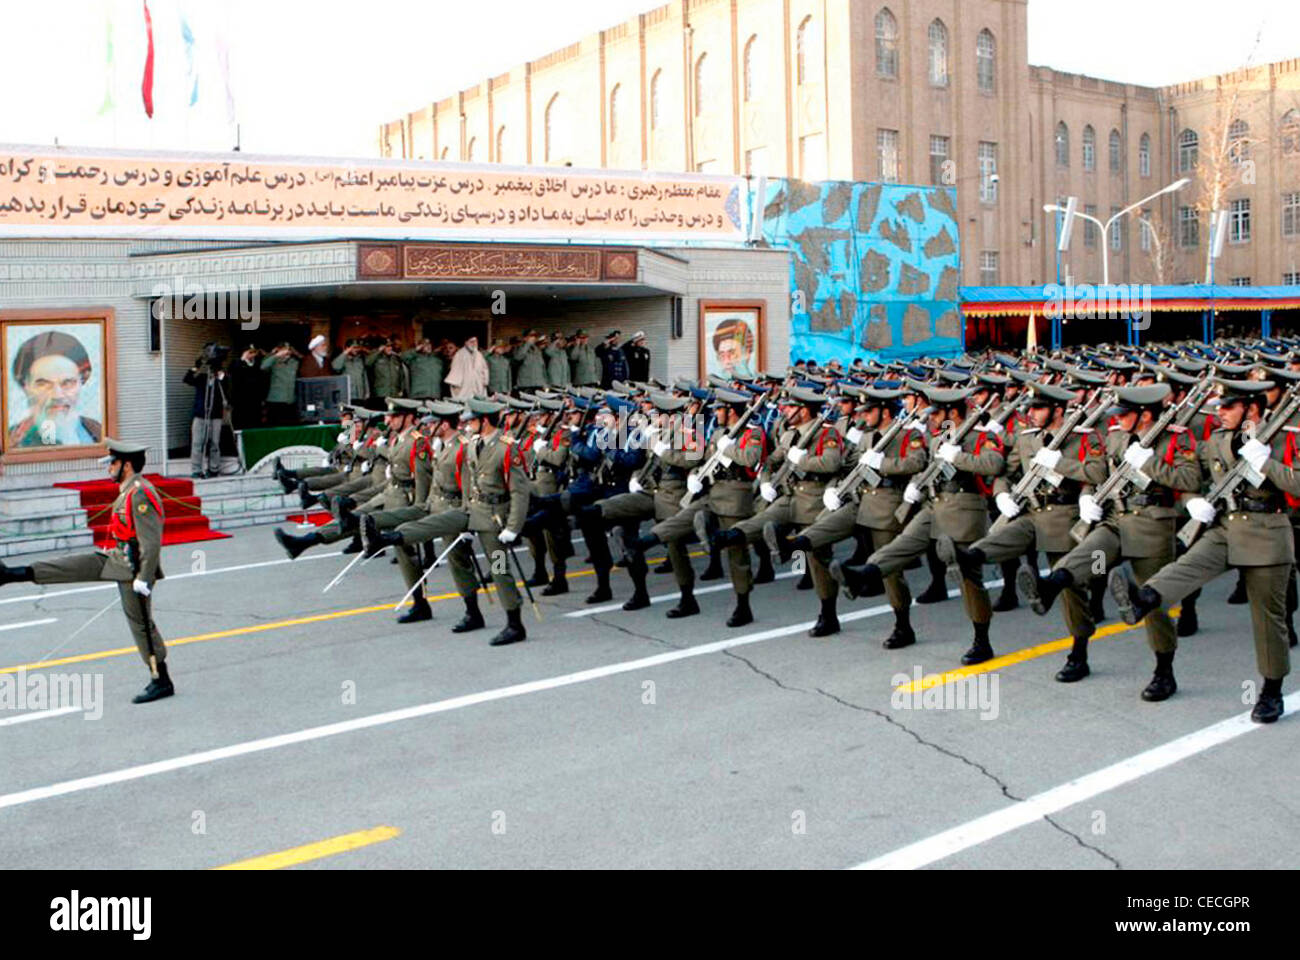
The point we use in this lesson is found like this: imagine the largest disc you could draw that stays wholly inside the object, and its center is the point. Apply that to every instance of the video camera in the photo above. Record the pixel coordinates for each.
(213, 356)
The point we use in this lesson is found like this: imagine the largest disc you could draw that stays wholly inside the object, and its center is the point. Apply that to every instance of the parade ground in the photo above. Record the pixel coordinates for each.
(311, 730)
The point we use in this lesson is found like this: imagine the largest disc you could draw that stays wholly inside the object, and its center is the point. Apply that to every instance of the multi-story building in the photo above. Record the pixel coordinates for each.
(915, 91)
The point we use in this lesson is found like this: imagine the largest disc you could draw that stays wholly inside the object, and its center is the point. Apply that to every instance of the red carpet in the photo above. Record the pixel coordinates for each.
(183, 519)
(317, 518)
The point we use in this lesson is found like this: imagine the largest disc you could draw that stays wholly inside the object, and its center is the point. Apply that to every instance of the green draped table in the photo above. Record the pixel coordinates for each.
(256, 443)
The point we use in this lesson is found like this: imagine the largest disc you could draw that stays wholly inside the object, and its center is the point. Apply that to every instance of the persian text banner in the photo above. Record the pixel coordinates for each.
(89, 193)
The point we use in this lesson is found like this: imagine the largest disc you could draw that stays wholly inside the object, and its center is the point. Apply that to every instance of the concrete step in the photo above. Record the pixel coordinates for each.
(51, 523)
(39, 543)
(16, 504)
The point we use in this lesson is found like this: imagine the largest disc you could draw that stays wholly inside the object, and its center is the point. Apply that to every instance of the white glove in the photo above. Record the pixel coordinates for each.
(1255, 453)
(140, 587)
(634, 486)
(356, 444)
(1202, 510)
(325, 462)
(507, 536)
(381, 442)
(725, 443)
(1047, 459)
(661, 448)
(767, 492)
(948, 452)
(831, 499)
(872, 459)
(1136, 456)
(694, 484)
(1089, 509)
(342, 437)
(854, 436)
(993, 427)
(1007, 505)
(795, 455)
(912, 493)
(539, 445)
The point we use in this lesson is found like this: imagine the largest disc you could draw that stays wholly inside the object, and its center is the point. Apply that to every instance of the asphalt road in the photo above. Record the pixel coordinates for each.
(313, 730)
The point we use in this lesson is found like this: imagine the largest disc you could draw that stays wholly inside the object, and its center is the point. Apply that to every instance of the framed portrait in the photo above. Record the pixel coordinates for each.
(732, 337)
(57, 399)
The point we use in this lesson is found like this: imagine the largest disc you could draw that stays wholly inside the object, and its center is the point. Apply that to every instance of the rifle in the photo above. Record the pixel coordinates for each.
(928, 476)
(1023, 492)
(530, 464)
(847, 488)
(710, 466)
(788, 467)
(1117, 485)
(1242, 472)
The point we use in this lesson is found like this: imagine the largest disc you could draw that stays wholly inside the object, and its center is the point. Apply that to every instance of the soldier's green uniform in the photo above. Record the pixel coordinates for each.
(388, 374)
(557, 366)
(354, 368)
(426, 371)
(584, 365)
(499, 379)
(284, 378)
(530, 367)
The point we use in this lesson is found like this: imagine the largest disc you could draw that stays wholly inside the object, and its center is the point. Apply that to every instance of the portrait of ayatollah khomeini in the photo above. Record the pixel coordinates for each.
(52, 369)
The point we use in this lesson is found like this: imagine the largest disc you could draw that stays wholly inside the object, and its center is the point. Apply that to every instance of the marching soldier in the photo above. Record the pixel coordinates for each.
(136, 524)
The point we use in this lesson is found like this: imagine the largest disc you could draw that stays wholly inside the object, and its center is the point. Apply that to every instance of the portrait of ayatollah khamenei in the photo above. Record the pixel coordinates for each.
(54, 394)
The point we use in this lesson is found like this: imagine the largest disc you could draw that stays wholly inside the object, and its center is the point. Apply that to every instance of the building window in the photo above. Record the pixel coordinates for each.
(1144, 231)
(989, 268)
(701, 87)
(812, 157)
(656, 82)
(1116, 232)
(749, 68)
(469, 150)
(988, 163)
(1238, 142)
(887, 155)
(938, 159)
(1291, 133)
(1240, 281)
(801, 51)
(1291, 279)
(1291, 214)
(938, 35)
(1062, 145)
(1189, 145)
(1239, 222)
(613, 112)
(1089, 149)
(1090, 228)
(1189, 227)
(1144, 155)
(886, 45)
(986, 62)
(756, 162)
(1116, 152)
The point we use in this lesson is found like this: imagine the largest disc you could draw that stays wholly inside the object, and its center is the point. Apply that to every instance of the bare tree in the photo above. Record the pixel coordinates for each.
(1160, 253)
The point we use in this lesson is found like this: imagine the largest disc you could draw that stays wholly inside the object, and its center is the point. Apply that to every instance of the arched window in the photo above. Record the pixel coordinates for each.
(501, 144)
(1116, 152)
(469, 150)
(801, 50)
(749, 68)
(701, 84)
(1189, 146)
(557, 130)
(886, 44)
(655, 85)
(613, 112)
(1290, 129)
(938, 35)
(1089, 148)
(1239, 141)
(1062, 145)
(986, 62)
(1144, 155)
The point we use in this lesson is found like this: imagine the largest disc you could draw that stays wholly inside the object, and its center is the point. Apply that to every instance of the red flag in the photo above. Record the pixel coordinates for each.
(146, 88)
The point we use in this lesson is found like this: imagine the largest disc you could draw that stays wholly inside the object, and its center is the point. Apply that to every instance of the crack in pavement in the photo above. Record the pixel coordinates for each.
(633, 633)
(983, 770)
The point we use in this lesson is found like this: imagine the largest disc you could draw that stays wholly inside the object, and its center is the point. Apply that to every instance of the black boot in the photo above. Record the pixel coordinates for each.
(640, 545)
(1162, 685)
(1040, 593)
(777, 545)
(714, 569)
(473, 619)
(305, 497)
(665, 566)
(969, 561)
(341, 507)
(1076, 664)
(288, 480)
(1133, 602)
(1097, 599)
(765, 573)
(1269, 707)
(636, 571)
(560, 581)
(1188, 622)
(25, 575)
(861, 547)
(827, 623)
(686, 605)
(806, 581)
(420, 609)
(980, 650)
(1007, 599)
(1238, 595)
(863, 581)
(374, 540)
(294, 546)
(354, 545)
(937, 591)
(742, 615)
(514, 630)
(721, 539)
(159, 687)
(903, 635)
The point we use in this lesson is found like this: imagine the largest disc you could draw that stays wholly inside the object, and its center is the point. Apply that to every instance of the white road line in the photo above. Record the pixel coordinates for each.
(408, 713)
(39, 715)
(985, 828)
(665, 597)
(28, 623)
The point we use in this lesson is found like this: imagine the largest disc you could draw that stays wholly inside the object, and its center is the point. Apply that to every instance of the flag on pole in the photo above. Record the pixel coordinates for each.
(1031, 344)
(108, 68)
(146, 86)
(191, 73)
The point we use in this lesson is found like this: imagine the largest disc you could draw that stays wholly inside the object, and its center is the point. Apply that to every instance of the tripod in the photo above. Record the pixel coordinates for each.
(211, 387)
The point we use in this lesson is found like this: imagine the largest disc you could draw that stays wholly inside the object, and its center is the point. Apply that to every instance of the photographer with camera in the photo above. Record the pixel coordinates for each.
(207, 378)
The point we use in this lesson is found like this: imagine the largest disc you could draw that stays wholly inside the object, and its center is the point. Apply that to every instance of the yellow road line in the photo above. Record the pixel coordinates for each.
(1020, 656)
(315, 851)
